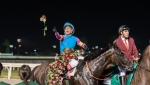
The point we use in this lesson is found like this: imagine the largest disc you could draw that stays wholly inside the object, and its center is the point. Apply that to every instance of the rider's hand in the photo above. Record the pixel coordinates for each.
(54, 30)
(86, 47)
(136, 59)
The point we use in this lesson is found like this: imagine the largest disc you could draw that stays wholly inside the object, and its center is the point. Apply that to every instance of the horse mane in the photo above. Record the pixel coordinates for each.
(143, 65)
(96, 54)
(91, 57)
(104, 52)
(144, 59)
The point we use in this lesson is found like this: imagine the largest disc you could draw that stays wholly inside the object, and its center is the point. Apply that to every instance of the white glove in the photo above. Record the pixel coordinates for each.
(122, 72)
(73, 63)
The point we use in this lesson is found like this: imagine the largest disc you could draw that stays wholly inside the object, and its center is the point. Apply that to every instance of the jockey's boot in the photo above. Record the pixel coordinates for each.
(123, 80)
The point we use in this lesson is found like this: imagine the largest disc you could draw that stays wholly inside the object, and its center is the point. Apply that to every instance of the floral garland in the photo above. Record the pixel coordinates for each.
(57, 67)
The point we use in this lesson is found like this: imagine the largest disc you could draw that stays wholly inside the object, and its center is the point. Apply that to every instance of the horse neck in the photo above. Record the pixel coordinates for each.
(98, 65)
(141, 76)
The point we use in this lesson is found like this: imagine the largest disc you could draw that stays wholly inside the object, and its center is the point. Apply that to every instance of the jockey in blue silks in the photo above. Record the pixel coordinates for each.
(69, 41)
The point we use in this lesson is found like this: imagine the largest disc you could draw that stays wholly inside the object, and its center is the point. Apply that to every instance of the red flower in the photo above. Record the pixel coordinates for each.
(43, 16)
(70, 50)
(57, 72)
(62, 65)
(81, 50)
(50, 66)
(57, 60)
(65, 57)
(68, 58)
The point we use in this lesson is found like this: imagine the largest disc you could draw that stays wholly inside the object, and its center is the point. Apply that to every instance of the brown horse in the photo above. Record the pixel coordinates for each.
(142, 72)
(39, 73)
(90, 68)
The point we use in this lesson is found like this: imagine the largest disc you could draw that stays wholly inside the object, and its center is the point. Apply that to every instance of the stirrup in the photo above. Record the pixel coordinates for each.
(123, 80)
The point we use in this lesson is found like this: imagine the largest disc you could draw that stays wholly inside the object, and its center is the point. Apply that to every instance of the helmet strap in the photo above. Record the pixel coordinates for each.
(124, 36)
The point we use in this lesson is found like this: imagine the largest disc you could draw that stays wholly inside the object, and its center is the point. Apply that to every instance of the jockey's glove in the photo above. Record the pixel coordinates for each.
(85, 47)
(54, 30)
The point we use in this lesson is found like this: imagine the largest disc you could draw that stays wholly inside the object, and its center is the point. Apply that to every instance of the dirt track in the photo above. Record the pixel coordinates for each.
(11, 81)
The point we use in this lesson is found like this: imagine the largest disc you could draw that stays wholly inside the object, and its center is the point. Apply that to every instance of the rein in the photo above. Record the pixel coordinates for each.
(87, 66)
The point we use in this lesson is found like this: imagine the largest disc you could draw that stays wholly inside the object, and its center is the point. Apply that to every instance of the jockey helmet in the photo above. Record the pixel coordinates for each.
(69, 24)
(122, 28)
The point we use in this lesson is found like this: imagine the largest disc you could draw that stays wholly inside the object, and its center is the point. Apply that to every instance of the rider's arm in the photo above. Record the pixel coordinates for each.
(59, 37)
(81, 44)
(135, 51)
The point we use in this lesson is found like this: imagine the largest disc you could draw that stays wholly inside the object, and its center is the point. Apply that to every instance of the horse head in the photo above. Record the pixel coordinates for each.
(121, 60)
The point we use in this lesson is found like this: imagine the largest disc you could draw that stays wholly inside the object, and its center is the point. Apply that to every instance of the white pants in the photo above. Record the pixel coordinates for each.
(122, 72)
(75, 62)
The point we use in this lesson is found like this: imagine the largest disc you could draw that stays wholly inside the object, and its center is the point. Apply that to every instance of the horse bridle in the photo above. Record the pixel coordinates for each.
(87, 66)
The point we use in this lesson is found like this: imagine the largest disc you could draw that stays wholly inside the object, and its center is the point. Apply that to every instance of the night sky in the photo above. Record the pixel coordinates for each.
(96, 21)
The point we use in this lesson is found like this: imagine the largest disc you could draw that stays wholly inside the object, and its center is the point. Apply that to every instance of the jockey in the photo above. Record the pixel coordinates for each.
(128, 47)
(69, 41)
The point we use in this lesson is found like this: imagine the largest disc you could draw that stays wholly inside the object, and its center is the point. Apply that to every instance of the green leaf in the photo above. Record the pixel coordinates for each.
(44, 33)
(43, 19)
(60, 58)
(45, 28)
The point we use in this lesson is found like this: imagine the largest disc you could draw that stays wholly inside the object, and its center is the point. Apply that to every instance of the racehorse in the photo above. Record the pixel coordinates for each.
(39, 73)
(142, 72)
(89, 69)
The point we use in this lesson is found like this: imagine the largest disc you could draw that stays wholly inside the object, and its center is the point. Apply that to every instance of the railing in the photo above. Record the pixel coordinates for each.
(9, 66)
(6, 54)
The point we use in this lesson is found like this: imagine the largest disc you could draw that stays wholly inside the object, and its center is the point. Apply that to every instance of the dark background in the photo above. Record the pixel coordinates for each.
(98, 22)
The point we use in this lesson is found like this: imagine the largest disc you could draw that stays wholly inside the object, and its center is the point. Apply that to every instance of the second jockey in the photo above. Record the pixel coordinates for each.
(69, 41)
(127, 45)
